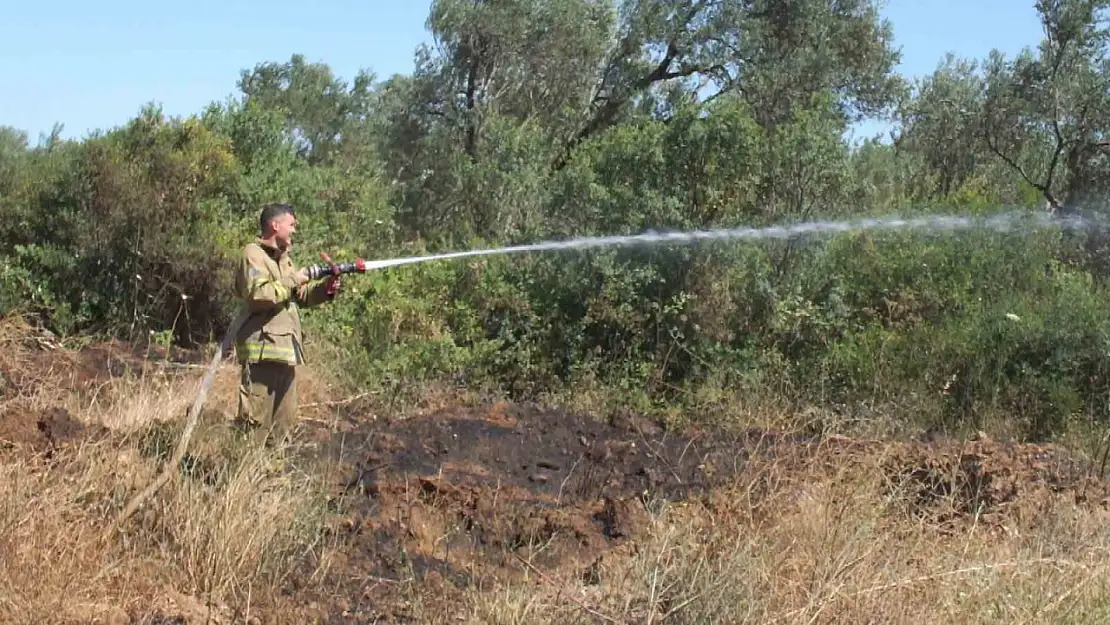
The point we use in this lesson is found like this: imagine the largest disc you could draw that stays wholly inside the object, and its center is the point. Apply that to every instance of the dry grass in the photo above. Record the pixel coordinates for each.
(58, 560)
(240, 527)
(230, 543)
(211, 544)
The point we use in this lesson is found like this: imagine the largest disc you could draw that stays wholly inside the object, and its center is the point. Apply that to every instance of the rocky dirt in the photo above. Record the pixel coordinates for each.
(463, 498)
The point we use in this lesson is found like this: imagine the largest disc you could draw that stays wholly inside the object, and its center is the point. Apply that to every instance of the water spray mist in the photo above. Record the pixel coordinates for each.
(933, 224)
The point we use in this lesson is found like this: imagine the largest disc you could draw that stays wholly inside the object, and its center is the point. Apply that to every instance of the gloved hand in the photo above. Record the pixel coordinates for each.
(331, 288)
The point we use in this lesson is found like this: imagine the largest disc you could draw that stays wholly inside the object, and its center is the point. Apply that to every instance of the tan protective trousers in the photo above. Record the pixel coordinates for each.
(268, 400)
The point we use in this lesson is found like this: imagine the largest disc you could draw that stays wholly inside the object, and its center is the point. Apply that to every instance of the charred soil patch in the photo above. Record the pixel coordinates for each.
(460, 498)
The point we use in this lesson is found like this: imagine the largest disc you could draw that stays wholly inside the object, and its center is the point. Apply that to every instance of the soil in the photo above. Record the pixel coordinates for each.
(42, 432)
(460, 497)
(466, 497)
(42, 363)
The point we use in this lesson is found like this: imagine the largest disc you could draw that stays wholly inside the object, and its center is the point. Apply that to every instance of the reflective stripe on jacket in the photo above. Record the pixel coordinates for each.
(266, 283)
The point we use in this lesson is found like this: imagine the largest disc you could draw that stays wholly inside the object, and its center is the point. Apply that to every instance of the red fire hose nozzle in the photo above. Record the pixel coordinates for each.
(329, 268)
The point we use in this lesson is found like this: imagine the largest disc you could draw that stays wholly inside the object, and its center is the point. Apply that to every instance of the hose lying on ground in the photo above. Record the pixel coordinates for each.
(190, 423)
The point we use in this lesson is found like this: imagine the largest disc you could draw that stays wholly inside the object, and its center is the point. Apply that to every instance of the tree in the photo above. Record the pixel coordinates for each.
(1046, 115)
(779, 55)
(321, 111)
(937, 126)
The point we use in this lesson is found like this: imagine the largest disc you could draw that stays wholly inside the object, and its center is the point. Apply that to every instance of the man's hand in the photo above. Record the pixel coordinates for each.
(301, 276)
(333, 286)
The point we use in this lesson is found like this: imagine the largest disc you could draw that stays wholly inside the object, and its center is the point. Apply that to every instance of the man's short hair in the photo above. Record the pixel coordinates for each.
(271, 212)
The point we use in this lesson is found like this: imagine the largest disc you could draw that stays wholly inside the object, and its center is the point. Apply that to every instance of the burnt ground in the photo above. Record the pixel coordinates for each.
(467, 497)
(464, 498)
(546, 461)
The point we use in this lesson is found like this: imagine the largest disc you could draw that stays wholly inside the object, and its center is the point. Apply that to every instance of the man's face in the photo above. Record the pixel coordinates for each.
(283, 227)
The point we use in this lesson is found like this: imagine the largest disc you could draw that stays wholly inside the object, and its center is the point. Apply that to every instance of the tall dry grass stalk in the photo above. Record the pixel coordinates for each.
(243, 527)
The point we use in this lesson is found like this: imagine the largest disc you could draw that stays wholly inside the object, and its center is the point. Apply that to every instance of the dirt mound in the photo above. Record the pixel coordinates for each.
(38, 375)
(987, 481)
(36, 366)
(43, 431)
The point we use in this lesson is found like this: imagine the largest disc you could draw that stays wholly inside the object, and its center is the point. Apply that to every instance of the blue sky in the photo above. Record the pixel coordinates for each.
(93, 65)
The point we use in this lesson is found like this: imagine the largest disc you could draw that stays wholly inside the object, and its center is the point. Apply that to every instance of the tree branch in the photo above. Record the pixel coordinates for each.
(1059, 149)
(605, 107)
(1045, 191)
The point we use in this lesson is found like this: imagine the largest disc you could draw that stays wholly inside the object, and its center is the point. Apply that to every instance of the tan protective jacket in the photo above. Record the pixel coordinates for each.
(267, 284)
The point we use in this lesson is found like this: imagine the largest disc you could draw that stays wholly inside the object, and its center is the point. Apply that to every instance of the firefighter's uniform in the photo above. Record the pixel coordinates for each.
(269, 345)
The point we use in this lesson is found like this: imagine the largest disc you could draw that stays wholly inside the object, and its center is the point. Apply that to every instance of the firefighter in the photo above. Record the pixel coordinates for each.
(269, 345)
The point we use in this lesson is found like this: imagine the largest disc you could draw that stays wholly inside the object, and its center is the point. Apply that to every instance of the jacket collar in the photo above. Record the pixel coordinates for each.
(275, 252)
